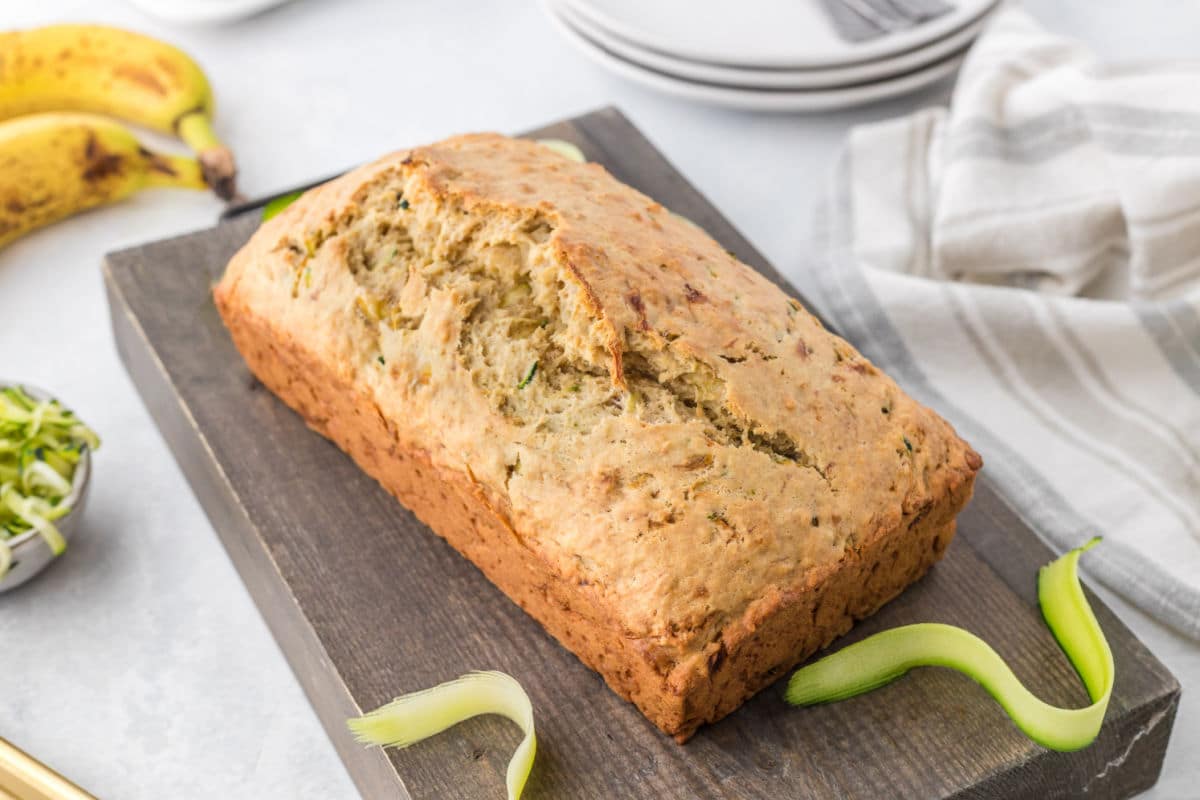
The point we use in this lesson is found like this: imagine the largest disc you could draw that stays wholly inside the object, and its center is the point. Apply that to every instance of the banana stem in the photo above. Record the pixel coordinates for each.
(195, 128)
(216, 161)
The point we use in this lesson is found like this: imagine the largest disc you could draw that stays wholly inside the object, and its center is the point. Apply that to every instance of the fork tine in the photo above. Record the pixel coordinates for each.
(920, 10)
(849, 24)
(860, 20)
(878, 12)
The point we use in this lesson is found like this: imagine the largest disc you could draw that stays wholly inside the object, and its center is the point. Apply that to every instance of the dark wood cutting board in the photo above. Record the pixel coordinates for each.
(367, 603)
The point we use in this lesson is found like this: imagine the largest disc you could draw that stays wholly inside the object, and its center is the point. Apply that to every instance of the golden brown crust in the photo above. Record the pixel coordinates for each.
(454, 506)
(781, 632)
(701, 486)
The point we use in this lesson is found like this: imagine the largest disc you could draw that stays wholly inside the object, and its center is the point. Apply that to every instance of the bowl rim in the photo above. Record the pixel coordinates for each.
(79, 478)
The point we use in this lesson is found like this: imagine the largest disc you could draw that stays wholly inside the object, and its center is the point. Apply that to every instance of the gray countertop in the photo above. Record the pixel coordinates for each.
(138, 665)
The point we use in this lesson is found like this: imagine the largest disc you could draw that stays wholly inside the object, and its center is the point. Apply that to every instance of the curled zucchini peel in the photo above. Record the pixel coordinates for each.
(564, 149)
(884, 657)
(414, 717)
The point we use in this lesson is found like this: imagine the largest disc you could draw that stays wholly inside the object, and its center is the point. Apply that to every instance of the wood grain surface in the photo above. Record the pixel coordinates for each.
(367, 603)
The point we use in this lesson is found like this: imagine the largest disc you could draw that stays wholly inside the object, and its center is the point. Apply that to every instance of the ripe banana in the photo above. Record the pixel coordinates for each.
(119, 73)
(53, 165)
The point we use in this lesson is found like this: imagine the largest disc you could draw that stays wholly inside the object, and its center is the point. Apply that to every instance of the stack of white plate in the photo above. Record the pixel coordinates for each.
(764, 55)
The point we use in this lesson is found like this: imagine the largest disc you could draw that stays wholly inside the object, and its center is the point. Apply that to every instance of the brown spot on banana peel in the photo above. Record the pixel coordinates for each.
(142, 77)
(156, 163)
(168, 66)
(16, 205)
(98, 162)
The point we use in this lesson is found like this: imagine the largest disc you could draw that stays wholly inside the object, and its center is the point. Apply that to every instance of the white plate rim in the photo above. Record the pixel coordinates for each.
(193, 12)
(769, 100)
(750, 78)
(856, 53)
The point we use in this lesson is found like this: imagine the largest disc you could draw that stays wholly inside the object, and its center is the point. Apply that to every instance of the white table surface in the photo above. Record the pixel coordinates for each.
(138, 665)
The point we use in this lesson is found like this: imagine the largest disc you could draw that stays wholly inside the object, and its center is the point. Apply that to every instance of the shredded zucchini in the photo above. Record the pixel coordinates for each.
(41, 443)
(529, 373)
(884, 657)
(417, 716)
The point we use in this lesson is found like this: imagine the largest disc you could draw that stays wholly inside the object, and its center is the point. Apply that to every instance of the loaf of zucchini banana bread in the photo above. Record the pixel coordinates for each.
(660, 456)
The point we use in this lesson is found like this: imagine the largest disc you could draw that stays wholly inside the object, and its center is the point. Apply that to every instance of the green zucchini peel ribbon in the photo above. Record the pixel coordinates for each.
(884, 657)
(417, 716)
(275, 207)
(564, 149)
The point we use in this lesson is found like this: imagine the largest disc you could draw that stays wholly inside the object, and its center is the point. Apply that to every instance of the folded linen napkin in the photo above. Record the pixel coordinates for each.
(1028, 263)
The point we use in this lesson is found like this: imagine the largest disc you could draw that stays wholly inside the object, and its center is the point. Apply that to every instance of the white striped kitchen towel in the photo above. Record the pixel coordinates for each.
(1028, 263)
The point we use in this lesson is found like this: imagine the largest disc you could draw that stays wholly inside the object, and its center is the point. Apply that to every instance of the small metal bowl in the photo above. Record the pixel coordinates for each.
(31, 553)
